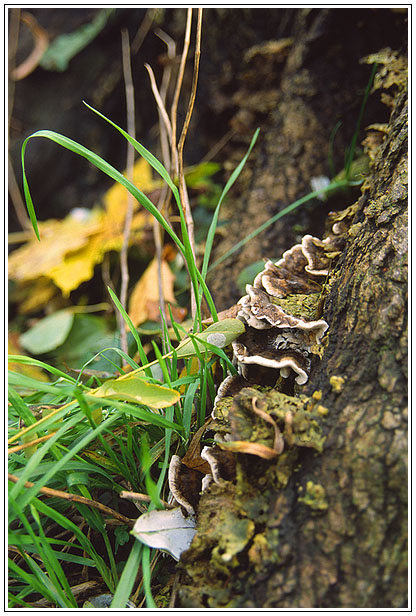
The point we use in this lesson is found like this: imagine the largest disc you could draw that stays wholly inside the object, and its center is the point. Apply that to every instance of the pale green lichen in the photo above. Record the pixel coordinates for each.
(315, 497)
(302, 306)
(337, 383)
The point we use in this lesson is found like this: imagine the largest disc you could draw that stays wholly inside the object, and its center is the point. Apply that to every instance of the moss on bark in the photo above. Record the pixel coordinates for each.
(325, 523)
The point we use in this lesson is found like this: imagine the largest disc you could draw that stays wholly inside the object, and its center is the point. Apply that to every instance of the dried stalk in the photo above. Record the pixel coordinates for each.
(37, 441)
(160, 104)
(75, 498)
(166, 77)
(144, 498)
(131, 129)
(143, 30)
(165, 138)
(16, 197)
(174, 108)
(182, 185)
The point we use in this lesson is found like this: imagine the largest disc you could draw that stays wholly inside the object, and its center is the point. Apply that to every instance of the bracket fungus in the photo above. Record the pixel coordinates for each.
(280, 311)
(280, 329)
(281, 315)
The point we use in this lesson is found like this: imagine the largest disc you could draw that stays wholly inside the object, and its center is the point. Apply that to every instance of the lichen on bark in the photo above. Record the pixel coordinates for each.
(326, 525)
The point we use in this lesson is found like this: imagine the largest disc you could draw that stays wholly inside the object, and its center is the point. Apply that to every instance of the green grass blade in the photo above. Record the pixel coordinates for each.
(133, 330)
(128, 577)
(188, 406)
(30, 579)
(54, 568)
(23, 359)
(273, 219)
(213, 225)
(148, 156)
(86, 544)
(351, 151)
(35, 459)
(103, 166)
(147, 576)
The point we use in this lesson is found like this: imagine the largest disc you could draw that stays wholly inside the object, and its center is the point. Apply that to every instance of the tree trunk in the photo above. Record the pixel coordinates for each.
(326, 524)
(297, 89)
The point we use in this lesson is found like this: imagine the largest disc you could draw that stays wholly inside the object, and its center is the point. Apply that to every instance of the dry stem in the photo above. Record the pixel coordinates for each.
(174, 109)
(131, 129)
(182, 185)
(75, 498)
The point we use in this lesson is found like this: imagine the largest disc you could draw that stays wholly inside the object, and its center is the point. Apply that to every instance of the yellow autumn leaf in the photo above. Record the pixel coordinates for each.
(70, 249)
(58, 237)
(78, 266)
(32, 295)
(144, 300)
(115, 199)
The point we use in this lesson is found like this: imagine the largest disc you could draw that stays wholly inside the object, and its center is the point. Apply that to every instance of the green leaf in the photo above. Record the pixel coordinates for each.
(88, 335)
(232, 179)
(49, 333)
(219, 334)
(106, 168)
(134, 388)
(64, 47)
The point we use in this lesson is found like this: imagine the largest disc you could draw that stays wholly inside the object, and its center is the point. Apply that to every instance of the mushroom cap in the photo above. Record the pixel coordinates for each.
(273, 352)
(264, 310)
(281, 282)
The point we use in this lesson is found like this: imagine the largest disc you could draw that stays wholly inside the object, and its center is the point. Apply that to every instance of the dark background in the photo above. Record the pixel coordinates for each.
(53, 100)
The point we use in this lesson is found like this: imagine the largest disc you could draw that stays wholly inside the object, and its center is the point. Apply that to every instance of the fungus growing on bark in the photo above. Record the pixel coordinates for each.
(280, 315)
(222, 463)
(185, 484)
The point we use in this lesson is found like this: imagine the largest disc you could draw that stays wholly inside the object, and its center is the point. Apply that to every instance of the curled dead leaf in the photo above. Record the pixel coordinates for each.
(41, 42)
(255, 449)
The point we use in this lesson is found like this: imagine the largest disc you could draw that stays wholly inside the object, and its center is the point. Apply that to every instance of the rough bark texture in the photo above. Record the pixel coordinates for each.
(296, 94)
(326, 525)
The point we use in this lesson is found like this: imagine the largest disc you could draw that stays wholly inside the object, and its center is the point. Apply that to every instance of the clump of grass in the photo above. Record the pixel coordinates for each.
(86, 449)
(68, 467)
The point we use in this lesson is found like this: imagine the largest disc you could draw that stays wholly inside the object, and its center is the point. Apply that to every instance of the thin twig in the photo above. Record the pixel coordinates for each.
(75, 498)
(160, 104)
(131, 129)
(31, 444)
(143, 30)
(181, 175)
(13, 186)
(217, 147)
(166, 77)
(144, 498)
(14, 27)
(16, 197)
(174, 109)
(165, 129)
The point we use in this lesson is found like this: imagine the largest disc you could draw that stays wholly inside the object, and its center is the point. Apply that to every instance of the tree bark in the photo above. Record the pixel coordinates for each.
(325, 524)
(296, 89)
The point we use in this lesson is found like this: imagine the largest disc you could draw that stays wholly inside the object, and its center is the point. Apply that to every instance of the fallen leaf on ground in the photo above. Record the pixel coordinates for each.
(144, 300)
(134, 388)
(167, 530)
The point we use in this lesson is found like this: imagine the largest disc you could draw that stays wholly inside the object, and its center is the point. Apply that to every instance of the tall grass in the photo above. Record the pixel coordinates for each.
(86, 448)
